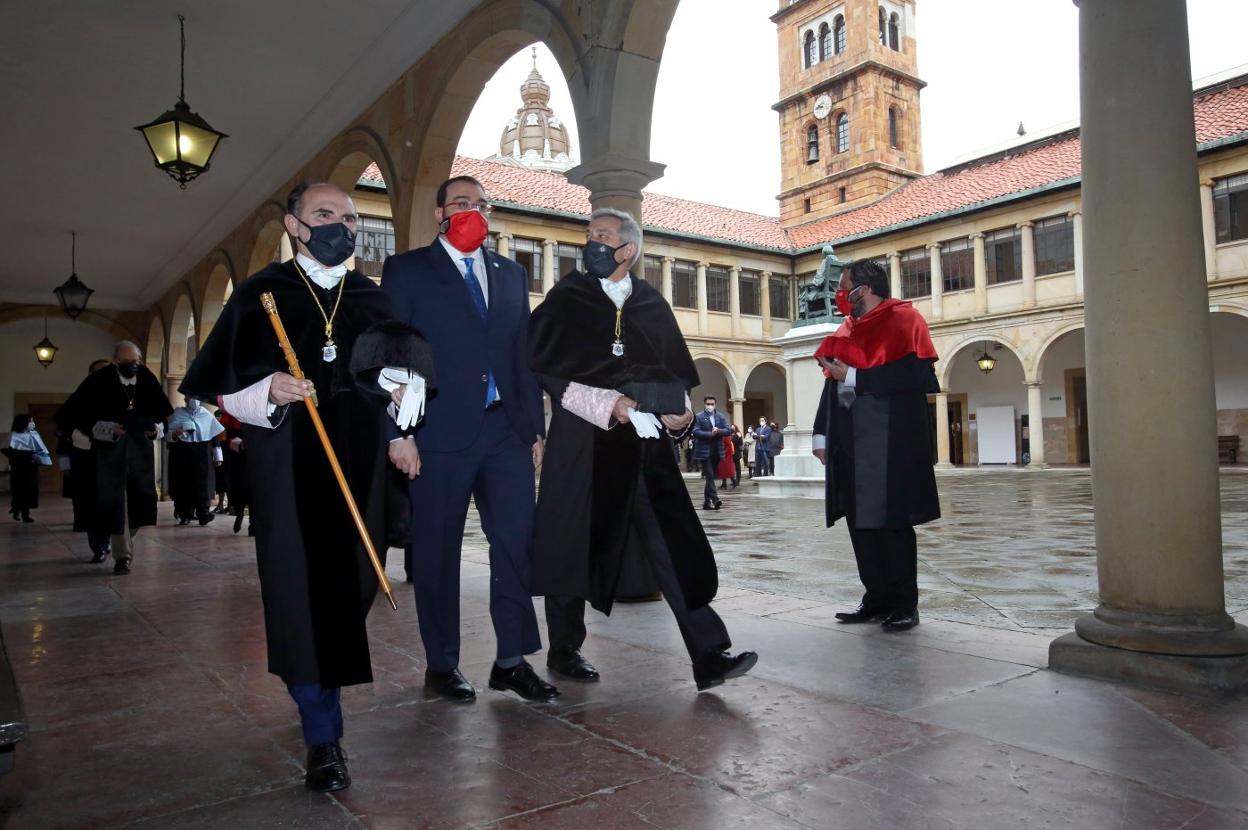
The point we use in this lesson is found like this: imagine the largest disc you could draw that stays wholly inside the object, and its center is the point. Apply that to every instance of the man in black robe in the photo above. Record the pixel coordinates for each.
(80, 478)
(872, 433)
(122, 409)
(316, 581)
(608, 350)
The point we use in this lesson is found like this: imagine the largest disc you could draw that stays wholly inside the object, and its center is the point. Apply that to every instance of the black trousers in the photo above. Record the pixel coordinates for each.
(701, 628)
(708, 473)
(888, 567)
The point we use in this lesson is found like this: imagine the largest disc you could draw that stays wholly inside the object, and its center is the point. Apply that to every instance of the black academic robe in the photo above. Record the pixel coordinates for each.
(126, 467)
(79, 481)
(192, 477)
(879, 449)
(590, 476)
(23, 480)
(316, 582)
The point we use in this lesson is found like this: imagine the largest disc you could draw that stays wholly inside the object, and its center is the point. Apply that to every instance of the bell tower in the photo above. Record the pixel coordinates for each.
(849, 104)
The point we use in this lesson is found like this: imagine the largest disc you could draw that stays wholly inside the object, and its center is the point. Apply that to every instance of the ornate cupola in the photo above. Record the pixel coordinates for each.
(536, 137)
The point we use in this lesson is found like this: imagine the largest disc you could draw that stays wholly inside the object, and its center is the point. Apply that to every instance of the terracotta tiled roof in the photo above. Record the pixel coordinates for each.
(1219, 114)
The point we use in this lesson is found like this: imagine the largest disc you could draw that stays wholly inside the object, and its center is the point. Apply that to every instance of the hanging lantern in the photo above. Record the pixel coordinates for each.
(73, 293)
(45, 349)
(986, 362)
(181, 142)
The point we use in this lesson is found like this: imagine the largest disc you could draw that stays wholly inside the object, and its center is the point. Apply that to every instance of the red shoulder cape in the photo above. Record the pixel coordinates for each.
(889, 332)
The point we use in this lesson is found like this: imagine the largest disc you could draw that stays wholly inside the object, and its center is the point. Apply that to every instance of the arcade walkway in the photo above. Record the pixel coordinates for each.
(150, 705)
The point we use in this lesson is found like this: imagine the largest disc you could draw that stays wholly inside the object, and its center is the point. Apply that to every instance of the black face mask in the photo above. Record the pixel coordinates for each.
(128, 369)
(329, 245)
(599, 259)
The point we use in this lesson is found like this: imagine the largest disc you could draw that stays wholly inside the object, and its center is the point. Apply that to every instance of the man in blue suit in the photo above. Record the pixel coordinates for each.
(709, 428)
(481, 439)
(762, 448)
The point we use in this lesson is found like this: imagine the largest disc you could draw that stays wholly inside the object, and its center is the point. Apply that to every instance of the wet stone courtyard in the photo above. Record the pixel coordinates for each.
(150, 705)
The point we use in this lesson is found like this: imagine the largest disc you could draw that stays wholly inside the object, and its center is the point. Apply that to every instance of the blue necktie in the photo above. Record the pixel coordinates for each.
(478, 298)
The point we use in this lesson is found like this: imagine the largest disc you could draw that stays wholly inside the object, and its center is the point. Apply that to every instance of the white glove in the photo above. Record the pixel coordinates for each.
(412, 407)
(646, 424)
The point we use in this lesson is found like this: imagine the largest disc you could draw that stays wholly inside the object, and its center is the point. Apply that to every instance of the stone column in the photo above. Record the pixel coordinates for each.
(615, 182)
(942, 429)
(504, 244)
(734, 299)
(981, 273)
(667, 278)
(1210, 230)
(703, 313)
(894, 274)
(764, 299)
(738, 412)
(1162, 616)
(938, 281)
(1035, 424)
(1028, 232)
(1076, 220)
(548, 265)
(172, 382)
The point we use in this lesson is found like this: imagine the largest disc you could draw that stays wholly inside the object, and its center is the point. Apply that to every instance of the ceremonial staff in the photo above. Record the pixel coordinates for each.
(270, 306)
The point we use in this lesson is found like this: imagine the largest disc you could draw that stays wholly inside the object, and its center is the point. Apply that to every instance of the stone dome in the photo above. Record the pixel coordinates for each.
(535, 136)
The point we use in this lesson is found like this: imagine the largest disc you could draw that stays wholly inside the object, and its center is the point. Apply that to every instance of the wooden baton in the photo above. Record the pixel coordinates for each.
(292, 362)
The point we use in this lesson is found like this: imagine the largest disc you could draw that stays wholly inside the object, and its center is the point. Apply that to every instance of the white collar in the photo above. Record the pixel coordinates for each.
(127, 381)
(456, 254)
(322, 275)
(618, 291)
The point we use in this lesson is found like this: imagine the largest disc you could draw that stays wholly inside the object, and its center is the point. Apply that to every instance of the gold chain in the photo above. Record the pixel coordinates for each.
(619, 317)
(329, 320)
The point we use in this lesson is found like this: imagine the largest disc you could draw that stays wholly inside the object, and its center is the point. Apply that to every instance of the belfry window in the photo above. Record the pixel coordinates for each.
(838, 29)
(812, 144)
(892, 128)
(883, 27)
(842, 133)
(825, 42)
(894, 37)
(811, 57)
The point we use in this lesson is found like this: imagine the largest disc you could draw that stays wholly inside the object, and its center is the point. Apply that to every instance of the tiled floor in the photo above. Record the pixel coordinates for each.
(150, 705)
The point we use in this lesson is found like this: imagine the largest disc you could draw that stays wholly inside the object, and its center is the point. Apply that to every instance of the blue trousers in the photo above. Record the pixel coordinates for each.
(495, 471)
(320, 711)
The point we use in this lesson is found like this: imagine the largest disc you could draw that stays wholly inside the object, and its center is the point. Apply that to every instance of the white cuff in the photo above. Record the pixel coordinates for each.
(103, 431)
(851, 378)
(646, 424)
(818, 442)
(80, 441)
(252, 405)
(412, 408)
(217, 455)
(160, 431)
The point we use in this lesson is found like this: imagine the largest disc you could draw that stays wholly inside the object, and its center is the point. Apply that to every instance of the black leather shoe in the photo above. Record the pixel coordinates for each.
(862, 615)
(183, 522)
(901, 620)
(121, 567)
(206, 518)
(450, 684)
(718, 504)
(327, 769)
(238, 522)
(569, 663)
(713, 669)
(706, 505)
(523, 681)
(99, 554)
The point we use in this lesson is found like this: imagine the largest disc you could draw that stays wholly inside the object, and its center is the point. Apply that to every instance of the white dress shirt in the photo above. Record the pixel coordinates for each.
(478, 266)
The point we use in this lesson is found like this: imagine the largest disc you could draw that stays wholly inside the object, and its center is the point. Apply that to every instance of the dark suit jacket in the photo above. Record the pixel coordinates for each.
(704, 445)
(429, 294)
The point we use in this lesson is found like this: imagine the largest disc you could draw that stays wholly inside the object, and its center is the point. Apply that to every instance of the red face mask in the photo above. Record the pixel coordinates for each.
(466, 230)
(843, 303)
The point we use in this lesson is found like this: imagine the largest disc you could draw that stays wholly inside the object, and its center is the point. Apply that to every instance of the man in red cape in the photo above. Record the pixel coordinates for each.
(873, 435)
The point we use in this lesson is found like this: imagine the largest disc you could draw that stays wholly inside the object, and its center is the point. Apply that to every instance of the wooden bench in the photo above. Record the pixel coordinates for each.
(12, 716)
(1228, 449)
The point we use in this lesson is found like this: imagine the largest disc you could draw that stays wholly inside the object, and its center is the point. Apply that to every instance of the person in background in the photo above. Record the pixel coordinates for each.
(761, 455)
(738, 449)
(726, 469)
(193, 453)
(775, 446)
(709, 428)
(747, 446)
(26, 453)
(80, 481)
(236, 468)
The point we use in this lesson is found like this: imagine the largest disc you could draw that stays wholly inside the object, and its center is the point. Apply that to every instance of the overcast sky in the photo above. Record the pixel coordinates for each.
(988, 66)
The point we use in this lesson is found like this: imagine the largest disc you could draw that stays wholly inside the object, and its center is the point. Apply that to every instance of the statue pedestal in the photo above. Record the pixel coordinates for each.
(798, 473)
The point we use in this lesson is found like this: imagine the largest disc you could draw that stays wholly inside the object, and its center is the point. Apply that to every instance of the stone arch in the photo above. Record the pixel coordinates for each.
(1035, 369)
(95, 319)
(729, 378)
(154, 347)
(216, 291)
(768, 381)
(179, 334)
(1223, 307)
(269, 235)
(945, 365)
